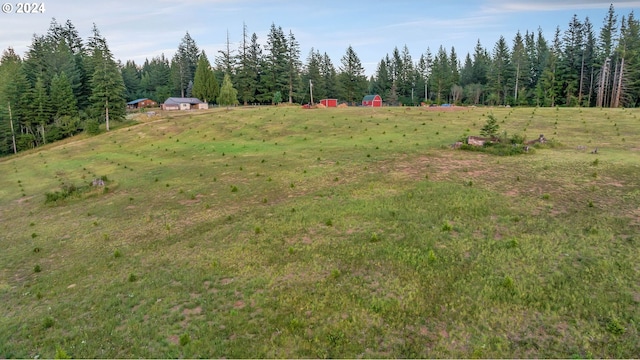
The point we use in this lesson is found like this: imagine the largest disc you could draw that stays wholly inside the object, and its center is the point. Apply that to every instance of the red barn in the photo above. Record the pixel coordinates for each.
(372, 100)
(329, 102)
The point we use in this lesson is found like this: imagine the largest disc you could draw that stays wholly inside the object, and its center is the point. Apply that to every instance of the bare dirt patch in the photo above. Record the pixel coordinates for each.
(194, 311)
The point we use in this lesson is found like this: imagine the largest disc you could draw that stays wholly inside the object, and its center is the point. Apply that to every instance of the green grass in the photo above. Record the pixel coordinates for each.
(377, 239)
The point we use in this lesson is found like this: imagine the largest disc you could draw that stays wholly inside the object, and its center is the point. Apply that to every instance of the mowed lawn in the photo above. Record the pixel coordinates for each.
(278, 232)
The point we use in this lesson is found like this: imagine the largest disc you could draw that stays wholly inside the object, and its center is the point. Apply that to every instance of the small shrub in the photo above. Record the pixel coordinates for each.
(431, 256)
(117, 254)
(234, 188)
(490, 129)
(374, 238)
(61, 354)
(92, 127)
(329, 222)
(335, 273)
(48, 322)
(614, 326)
(185, 339)
(133, 277)
(37, 269)
(446, 226)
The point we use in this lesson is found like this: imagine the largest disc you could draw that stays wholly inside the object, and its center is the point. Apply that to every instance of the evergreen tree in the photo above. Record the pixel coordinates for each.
(382, 82)
(228, 94)
(276, 77)
(155, 81)
(501, 73)
(132, 80)
(107, 87)
(571, 62)
(351, 78)
(183, 64)
(329, 77)
(39, 111)
(454, 80)
(549, 86)
(588, 71)
(64, 107)
(440, 79)
(313, 76)
(629, 52)
(225, 60)
(63, 101)
(244, 75)
(293, 65)
(205, 85)
(13, 89)
(520, 62)
(255, 69)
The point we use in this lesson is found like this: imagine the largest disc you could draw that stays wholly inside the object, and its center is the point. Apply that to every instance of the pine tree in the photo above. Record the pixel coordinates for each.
(293, 65)
(351, 77)
(501, 74)
(440, 79)
(184, 63)
(13, 88)
(228, 94)
(107, 87)
(132, 80)
(329, 77)
(244, 75)
(521, 64)
(312, 75)
(276, 77)
(205, 85)
(39, 110)
(225, 60)
(63, 101)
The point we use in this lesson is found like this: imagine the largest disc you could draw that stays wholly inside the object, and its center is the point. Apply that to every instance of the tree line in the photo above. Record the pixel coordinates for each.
(64, 85)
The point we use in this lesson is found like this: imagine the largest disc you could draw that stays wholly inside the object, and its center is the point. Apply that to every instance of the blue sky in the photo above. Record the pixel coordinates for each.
(136, 30)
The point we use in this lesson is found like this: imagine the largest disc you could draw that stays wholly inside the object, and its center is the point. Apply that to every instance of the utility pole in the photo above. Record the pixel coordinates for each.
(13, 134)
(311, 91)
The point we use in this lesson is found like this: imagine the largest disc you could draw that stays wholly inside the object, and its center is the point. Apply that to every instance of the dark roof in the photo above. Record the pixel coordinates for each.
(136, 101)
(178, 101)
(369, 97)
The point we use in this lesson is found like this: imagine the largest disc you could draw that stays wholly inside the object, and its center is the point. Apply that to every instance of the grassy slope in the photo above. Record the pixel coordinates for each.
(353, 232)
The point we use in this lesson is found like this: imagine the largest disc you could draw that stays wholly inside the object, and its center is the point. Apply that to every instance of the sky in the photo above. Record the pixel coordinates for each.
(136, 30)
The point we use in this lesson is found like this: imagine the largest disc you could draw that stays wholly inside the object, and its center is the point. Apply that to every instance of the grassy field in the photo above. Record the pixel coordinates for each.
(283, 232)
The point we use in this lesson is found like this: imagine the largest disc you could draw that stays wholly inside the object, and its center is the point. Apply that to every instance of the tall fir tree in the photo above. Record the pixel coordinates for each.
(205, 85)
(293, 65)
(132, 80)
(183, 64)
(276, 77)
(107, 86)
(352, 80)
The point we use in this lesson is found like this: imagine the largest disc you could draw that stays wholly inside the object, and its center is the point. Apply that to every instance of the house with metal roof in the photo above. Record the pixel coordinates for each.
(141, 103)
(177, 103)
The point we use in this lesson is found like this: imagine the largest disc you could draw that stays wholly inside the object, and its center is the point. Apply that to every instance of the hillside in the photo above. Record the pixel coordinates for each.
(283, 232)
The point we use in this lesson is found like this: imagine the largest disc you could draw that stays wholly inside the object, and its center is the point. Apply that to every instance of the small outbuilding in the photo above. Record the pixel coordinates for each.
(372, 101)
(329, 102)
(176, 103)
(141, 104)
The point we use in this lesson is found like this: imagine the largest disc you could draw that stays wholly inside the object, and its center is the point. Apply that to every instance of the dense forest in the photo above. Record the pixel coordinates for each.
(64, 85)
